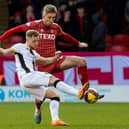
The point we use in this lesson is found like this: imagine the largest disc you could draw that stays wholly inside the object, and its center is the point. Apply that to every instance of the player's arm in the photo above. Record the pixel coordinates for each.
(70, 39)
(7, 52)
(49, 60)
(21, 28)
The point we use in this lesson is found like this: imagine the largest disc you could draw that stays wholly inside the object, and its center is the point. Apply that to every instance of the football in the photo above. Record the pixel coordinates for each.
(91, 95)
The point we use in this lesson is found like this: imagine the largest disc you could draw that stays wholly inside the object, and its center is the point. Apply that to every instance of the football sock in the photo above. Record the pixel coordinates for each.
(38, 104)
(82, 72)
(65, 88)
(54, 108)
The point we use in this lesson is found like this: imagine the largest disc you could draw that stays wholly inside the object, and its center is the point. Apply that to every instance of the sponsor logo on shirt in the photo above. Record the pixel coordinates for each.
(41, 30)
(47, 36)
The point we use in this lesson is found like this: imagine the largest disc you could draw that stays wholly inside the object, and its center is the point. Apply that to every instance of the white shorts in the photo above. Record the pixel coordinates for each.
(36, 83)
(38, 92)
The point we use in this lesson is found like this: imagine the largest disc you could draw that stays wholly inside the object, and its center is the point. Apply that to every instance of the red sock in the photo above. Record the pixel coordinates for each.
(83, 75)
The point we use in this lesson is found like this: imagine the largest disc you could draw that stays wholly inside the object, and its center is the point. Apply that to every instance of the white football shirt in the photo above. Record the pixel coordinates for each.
(25, 59)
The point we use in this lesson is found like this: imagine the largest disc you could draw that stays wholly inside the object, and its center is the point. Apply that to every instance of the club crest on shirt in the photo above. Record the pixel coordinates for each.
(28, 23)
(41, 30)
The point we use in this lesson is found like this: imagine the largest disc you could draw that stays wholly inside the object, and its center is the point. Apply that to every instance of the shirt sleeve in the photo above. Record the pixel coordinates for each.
(60, 31)
(32, 24)
(21, 28)
(17, 47)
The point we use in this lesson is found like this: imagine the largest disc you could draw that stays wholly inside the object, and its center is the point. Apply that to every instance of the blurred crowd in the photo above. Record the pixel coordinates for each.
(100, 23)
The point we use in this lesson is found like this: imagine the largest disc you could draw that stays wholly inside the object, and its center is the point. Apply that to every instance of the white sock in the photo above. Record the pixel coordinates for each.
(37, 111)
(66, 88)
(54, 109)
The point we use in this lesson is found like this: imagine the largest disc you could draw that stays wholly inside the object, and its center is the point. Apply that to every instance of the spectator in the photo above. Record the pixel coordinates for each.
(37, 5)
(83, 22)
(16, 20)
(99, 33)
(72, 5)
(115, 13)
(14, 6)
(61, 9)
(29, 14)
(70, 26)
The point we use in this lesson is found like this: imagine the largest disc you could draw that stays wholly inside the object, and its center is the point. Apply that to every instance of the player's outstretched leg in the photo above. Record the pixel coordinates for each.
(82, 90)
(83, 75)
(37, 117)
(37, 113)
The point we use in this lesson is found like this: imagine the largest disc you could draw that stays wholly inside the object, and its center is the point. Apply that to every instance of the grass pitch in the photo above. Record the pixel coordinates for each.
(78, 115)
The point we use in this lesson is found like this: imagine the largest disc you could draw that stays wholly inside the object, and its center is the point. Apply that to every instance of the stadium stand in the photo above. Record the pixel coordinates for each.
(118, 48)
(14, 39)
(108, 42)
(121, 39)
(3, 16)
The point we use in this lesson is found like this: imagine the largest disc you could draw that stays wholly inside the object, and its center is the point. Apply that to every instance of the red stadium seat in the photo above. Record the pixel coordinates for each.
(121, 39)
(13, 40)
(108, 41)
(118, 48)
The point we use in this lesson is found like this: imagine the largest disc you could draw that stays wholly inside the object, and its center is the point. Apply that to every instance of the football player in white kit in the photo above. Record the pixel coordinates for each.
(36, 83)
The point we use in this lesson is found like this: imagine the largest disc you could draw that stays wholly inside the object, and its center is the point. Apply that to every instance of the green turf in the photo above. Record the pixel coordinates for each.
(78, 115)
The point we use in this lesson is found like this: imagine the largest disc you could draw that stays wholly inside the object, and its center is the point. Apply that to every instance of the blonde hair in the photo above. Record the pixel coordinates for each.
(30, 33)
(49, 8)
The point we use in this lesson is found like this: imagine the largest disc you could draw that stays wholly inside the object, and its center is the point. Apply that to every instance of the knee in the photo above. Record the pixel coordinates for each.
(82, 62)
(52, 81)
(56, 98)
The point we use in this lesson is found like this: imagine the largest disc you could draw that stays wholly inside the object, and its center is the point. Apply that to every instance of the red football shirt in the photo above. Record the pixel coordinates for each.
(47, 46)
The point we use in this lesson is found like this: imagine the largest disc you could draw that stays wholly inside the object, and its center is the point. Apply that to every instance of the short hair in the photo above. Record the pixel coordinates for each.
(30, 33)
(49, 8)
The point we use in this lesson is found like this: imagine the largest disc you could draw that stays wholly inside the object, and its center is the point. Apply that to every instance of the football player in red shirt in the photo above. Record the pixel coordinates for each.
(49, 31)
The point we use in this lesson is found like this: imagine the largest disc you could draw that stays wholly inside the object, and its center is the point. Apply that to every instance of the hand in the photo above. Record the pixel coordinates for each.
(82, 44)
(58, 54)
